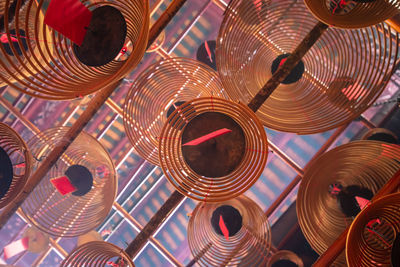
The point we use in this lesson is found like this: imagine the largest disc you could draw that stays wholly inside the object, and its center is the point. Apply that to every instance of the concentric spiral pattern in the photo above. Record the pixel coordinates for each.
(373, 248)
(21, 160)
(48, 68)
(356, 14)
(96, 254)
(164, 84)
(368, 164)
(215, 189)
(71, 215)
(248, 247)
(345, 71)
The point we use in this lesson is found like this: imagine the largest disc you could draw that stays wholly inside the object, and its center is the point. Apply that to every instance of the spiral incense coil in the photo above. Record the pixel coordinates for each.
(366, 164)
(249, 246)
(353, 14)
(49, 68)
(337, 79)
(18, 161)
(97, 253)
(89, 168)
(285, 257)
(226, 166)
(370, 241)
(154, 94)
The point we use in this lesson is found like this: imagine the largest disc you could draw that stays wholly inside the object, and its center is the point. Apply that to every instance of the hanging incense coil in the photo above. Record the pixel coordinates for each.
(285, 258)
(97, 253)
(371, 238)
(89, 168)
(353, 14)
(339, 77)
(16, 164)
(249, 246)
(362, 167)
(48, 68)
(220, 168)
(154, 94)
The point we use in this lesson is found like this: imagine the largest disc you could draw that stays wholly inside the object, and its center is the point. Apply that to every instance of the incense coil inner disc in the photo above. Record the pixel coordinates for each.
(357, 14)
(71, 214)
(248, 247)
(97, 253)
(375, 249)
(21, 159)
(156, 91)
(344, 72)
(212, 189)
(49, 69)
(368, 164)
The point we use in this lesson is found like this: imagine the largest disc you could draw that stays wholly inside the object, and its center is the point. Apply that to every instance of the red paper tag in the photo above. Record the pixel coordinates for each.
(335, 190)
(21, 165)
(223, 228)
(282, 61)
(4, 39)
(63, 185)
(70, 18)
(362, 202)
(208, 51)
(206, 137)
(16, 247)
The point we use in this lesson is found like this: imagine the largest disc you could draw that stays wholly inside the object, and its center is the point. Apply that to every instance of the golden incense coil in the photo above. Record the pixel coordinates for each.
(222, 167)
(48, 67)
(75, 213)
(370, 241)
(366, 164)
(249, 246)
(337, 79)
